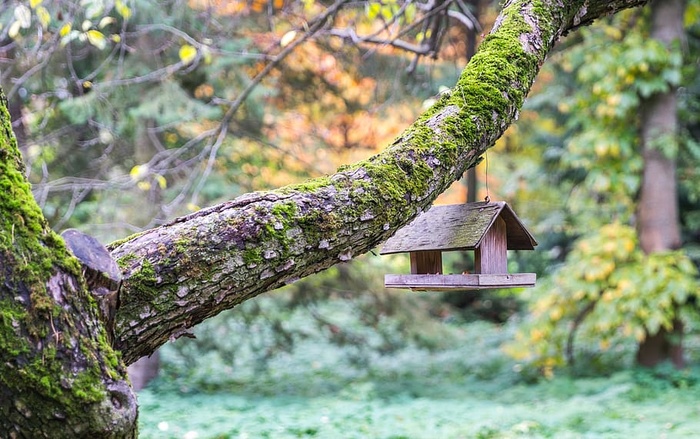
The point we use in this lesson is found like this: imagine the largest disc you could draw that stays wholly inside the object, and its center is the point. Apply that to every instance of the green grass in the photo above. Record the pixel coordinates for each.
(470, 391)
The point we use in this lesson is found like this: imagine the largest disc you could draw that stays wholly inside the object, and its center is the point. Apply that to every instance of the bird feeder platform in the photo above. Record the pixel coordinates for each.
(487, 229)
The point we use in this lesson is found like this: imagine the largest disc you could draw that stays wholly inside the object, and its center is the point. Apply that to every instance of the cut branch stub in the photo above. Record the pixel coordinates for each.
(101, 273)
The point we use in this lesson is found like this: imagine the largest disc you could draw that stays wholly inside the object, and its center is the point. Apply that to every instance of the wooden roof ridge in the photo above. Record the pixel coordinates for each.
(459, 227)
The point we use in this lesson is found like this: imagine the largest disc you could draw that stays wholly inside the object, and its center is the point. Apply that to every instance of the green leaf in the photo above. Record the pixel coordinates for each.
(410, 13)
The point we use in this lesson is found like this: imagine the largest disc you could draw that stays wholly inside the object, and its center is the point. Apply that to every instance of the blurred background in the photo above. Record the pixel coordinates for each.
(130, 113)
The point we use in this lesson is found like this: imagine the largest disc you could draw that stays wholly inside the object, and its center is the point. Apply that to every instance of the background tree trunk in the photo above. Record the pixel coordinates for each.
(658, 224)
(144, 370)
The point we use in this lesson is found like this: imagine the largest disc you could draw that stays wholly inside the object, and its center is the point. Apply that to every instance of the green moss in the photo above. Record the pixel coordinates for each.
(147, 273)
(284, 216)
(182, 246)
(126, 261)
(112, 245)
(252, 256)
(143, 282)
(10, 343)
(307, 186)
(88, 387)
(284, 210)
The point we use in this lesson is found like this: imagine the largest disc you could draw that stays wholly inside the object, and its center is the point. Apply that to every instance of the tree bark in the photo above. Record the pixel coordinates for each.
(658, 224)
(58, 375)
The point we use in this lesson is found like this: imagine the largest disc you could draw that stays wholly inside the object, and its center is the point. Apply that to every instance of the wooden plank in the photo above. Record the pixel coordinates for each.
(457, 282)
(453, 227)
(519, 238)
(492, 254)
(427, 262)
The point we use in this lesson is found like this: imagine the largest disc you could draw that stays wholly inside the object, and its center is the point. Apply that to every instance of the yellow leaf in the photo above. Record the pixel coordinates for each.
(138, 172)
(106, 21)
(162, 182)
(207, 55)
(87, 24)
(116, 38)
(44, 16)
(122, 9)
(187, 53)
(372, 9)
(97, 39)
(65, 29)
(192, 207)
(143, 185)
(34, 3)
(536, 334)
(288, 38)
(13, 31)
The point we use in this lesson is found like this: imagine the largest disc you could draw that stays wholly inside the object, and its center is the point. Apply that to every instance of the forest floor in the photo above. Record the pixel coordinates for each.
(471, 391)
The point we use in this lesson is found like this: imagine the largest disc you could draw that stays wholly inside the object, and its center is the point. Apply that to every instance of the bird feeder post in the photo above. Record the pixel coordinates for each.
(491, 256)
(426, 262)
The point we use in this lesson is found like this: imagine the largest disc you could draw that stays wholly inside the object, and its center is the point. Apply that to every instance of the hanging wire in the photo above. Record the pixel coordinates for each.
(487, 198)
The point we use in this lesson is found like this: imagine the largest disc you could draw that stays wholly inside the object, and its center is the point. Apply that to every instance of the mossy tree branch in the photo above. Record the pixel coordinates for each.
(181, 273)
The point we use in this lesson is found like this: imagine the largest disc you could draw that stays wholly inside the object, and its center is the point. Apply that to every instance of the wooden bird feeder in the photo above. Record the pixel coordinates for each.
(488, 229)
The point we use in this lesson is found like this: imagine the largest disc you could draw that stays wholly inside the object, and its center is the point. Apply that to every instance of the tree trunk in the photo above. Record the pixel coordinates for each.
(658, 224)
(59, 377)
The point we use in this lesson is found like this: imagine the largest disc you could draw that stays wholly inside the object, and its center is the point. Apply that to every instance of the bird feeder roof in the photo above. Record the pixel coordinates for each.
(459, 227)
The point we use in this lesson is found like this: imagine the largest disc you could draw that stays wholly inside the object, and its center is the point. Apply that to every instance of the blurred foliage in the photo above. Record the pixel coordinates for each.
(608, 290)
(575, 172)
(469, 390)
